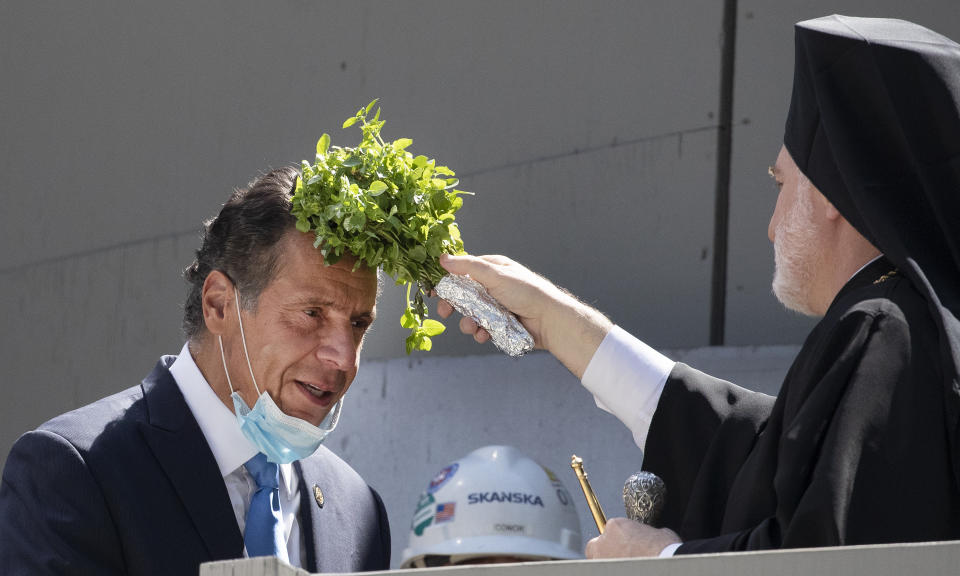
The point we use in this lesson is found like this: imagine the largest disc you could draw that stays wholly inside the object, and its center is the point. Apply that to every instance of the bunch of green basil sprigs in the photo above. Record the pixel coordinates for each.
(386, 207)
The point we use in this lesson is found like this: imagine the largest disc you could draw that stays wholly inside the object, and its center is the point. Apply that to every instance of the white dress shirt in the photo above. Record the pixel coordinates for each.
(626, 378)
(231, 449)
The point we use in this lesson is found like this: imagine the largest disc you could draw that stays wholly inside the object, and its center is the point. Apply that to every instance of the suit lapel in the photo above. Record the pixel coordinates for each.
(308, 520)
(178, 444)
(325, 544)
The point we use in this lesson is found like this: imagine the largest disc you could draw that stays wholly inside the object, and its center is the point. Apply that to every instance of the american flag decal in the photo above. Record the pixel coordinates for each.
(445, 511)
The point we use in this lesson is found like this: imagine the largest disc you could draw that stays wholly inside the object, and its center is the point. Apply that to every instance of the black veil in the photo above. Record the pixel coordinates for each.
(874, 123)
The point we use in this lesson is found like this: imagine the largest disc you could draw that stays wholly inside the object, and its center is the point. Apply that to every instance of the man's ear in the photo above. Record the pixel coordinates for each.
(216, 298)
(831, 212)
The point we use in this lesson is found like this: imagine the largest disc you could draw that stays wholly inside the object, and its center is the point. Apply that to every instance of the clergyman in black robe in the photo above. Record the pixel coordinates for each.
(862, 444)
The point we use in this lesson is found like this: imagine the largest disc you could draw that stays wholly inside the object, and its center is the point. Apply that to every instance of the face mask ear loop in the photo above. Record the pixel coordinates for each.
(224, 360)
(244, 340)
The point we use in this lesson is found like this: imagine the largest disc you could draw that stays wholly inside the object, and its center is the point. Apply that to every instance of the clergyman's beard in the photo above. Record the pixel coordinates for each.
(796, 254)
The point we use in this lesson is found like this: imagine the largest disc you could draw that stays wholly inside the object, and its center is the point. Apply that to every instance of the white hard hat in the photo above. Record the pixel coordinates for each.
(494, 502)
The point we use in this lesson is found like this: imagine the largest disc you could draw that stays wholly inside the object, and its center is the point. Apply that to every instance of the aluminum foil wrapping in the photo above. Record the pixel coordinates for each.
(470, 298)
(644, 495)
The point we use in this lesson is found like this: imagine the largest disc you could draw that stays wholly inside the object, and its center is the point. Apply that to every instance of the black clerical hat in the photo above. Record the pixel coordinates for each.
(874, 123)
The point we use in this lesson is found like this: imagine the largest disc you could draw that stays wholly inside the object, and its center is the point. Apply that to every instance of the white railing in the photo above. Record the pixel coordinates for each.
(923, 559)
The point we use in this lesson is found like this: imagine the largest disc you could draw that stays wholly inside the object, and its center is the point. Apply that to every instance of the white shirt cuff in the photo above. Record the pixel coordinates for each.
(626, 378)
(670, 550)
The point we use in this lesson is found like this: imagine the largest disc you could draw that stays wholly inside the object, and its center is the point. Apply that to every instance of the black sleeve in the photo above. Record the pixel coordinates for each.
(701, 424)
(855, 448)
(53, 518)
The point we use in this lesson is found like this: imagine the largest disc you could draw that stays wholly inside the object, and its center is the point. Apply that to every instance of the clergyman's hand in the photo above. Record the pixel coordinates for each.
(625, 538)
(558, 322)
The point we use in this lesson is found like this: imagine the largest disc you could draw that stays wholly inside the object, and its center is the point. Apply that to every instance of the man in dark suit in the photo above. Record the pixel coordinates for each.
(158, 478)
(862, 444)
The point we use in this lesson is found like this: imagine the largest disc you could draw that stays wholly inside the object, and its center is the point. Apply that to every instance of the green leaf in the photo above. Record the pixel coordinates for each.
(425, 343)
(433, 247)
(454, 231)
(387, 207)
(331, 257)
(377, 188)
(356, 221)
(418, 253)
(323, 144)
(432, 327)
(408, 320)
(411, 343)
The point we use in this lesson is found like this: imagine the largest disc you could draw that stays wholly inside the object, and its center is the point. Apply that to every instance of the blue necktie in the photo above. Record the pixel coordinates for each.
(263, 535)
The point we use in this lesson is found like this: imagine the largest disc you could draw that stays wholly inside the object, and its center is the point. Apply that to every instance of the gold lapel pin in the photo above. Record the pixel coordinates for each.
(318, 495)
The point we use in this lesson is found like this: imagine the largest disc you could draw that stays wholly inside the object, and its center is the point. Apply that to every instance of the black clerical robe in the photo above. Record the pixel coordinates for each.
(853, 450)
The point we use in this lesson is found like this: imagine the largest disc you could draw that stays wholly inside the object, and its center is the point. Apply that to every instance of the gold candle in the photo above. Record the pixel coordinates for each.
(577, 464)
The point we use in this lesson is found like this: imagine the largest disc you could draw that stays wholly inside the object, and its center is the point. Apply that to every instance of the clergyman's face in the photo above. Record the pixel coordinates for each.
(796, 239)
(305, 334)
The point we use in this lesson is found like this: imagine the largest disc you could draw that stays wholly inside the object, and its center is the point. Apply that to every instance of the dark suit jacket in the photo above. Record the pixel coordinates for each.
(128, 485)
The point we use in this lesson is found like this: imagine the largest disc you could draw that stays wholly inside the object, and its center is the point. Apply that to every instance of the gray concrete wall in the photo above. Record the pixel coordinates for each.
(587, 130)
(405, 419)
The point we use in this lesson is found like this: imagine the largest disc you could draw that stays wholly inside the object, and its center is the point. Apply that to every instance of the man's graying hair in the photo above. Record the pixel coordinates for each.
(243, 243)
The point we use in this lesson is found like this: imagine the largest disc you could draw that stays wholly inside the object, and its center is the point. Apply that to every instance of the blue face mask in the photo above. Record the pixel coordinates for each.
(280, 437)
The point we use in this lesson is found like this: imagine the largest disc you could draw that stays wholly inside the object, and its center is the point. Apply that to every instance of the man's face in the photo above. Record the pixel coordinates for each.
(305, 335)
(796, 238)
